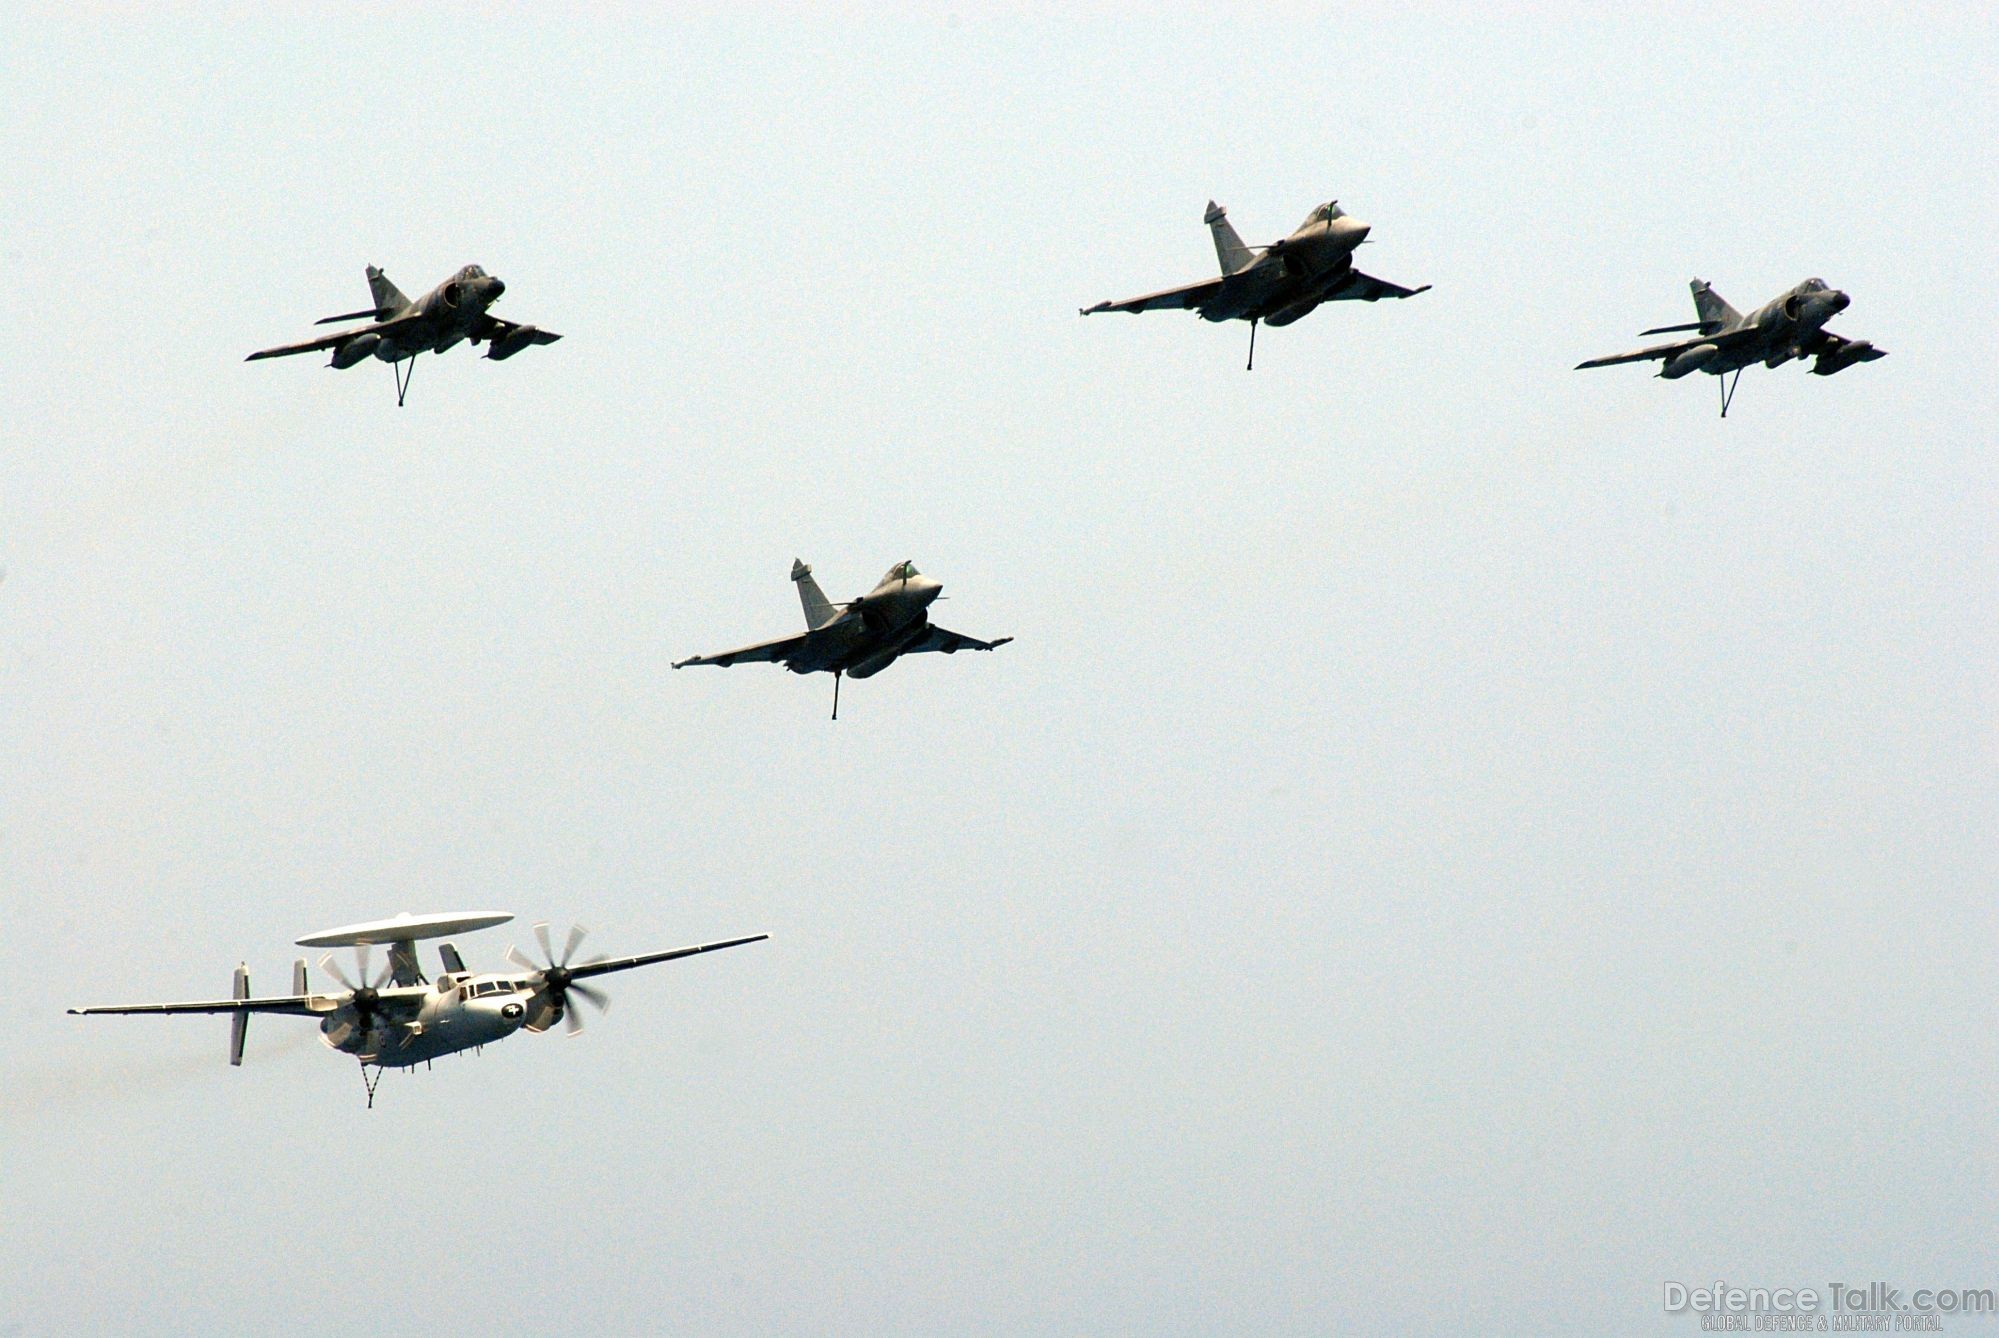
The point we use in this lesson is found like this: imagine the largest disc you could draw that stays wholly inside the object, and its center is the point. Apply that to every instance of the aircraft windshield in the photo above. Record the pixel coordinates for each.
(471, 272)
(901, 571)
(1815, 285)
(1325, 213)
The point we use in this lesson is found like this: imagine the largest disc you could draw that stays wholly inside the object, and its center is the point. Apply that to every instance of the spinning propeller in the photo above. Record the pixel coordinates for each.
(358, 1013)
(553, 985)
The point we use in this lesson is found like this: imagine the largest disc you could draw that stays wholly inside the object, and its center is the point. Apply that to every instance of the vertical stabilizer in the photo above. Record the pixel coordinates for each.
(389, 299)
(1228, 247)
(818, 609)
(239, 1020)
(1715, 314)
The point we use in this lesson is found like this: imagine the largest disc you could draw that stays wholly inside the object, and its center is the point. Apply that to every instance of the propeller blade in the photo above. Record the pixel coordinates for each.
(572, 1018)
(598, 999)
(388, 969)
(521, 959)
(332, 968)
(576, 933)
(362, 957)
(541, 935)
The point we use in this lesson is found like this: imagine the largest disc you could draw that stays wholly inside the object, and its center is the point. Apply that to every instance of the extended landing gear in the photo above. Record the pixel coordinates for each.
(1728, 389)
(403, 377)
(836, 694)
(371, 1083)
(1252, 347)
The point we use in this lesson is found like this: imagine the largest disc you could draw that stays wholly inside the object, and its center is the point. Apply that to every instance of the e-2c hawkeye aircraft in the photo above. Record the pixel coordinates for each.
(399, 1019)
(1278, 283)
(1792, 326)
(860, 638)
(399, 329)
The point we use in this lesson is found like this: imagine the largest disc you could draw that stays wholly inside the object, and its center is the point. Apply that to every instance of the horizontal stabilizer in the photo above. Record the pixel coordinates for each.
(372, 314)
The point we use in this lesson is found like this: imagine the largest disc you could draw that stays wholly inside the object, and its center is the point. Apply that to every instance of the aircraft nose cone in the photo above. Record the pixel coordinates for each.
(1840, 301)
(497, 287)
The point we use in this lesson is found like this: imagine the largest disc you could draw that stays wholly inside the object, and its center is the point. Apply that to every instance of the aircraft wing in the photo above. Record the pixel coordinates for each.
(1720, 337)
(763, 651)
(332, 340)
(300, 1005)
(1182, 298)
(1836, 352)
(647, 959)
(950, 643)
(1358, 287)
(499, 331)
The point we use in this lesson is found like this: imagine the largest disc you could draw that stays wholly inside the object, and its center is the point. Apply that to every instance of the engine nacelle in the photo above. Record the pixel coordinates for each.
(355, 350)
(1695, 358)
(503, 349)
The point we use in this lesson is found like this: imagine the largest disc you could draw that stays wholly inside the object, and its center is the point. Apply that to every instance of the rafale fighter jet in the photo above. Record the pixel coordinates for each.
(399, 1019)
(1792, 326)
(399, 329)
(1278, 283)
(861, 638)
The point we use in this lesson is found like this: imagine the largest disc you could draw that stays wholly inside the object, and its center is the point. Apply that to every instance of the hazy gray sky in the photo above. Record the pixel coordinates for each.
(1457, 842)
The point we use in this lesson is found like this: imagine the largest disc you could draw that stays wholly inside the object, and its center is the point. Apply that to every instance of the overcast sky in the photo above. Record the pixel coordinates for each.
(1457, 843)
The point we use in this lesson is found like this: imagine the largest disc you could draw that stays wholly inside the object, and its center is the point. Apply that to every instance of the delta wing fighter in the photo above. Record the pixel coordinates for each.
(860, 638)
(1278, 283)
(1791, 326)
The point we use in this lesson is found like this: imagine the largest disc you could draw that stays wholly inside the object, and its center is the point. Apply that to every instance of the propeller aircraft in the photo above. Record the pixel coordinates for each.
(1278, 283)
(399, 329)
(399, 1019)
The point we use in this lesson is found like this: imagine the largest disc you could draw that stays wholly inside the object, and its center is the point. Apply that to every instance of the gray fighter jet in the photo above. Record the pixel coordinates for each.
(861, 638)
(1278, 283)
(399, 329)
(1792, 326)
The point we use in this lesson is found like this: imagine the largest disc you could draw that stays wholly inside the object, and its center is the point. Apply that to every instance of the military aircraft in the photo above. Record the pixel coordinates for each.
(399, 329)
(1278, 283)
(399, 1019)
(1791, 326)
(860, 638)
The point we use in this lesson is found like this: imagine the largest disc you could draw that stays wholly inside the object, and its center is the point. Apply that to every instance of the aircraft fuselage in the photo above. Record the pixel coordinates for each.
(446, 315)
(457, 1013)
(1291, 276)
(1784, 327)
(871, 631)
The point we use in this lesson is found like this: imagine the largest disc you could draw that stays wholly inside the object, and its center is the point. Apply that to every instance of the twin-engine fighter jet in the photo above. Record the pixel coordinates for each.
(861, 638)
(399, 1019)
(399, 329)
(1278, 283)
(1792, 326)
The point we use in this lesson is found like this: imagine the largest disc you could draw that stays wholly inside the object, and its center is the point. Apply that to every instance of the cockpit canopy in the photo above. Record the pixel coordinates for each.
(1325, 213)
(1813, 286)
(901, 571)
(471, 272)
